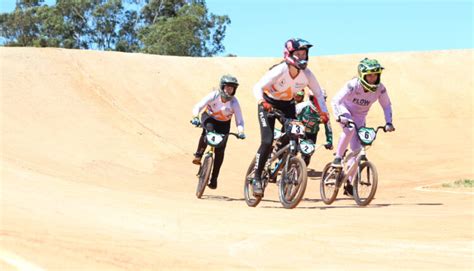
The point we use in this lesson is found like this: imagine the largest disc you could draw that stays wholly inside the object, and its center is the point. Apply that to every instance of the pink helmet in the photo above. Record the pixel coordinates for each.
(293, 45)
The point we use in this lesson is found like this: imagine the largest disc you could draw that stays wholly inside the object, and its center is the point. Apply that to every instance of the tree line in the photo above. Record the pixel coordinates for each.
(165, 27)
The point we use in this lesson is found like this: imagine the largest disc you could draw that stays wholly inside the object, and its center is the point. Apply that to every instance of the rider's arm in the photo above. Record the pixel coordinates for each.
(337, 102)
(328, 132)
(202, 103)
(384, 101)
(239, 120)
(315, 90)
(266, 82)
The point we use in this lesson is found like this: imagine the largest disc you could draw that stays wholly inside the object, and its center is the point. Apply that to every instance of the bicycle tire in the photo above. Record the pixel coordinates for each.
(365, 180)
(250, 199)
(291, 190)
(204, 174)
(329, 184)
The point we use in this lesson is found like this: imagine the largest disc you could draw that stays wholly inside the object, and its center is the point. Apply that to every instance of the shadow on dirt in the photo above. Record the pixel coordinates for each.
(349, 201)
(225, 198)
(314, 174)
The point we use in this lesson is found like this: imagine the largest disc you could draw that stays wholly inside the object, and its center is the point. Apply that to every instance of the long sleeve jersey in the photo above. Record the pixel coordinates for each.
(219, 110)
(306, 112)
(278, 84)
(353, 100)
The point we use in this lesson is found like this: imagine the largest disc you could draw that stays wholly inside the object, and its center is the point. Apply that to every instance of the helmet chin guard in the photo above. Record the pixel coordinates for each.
(293, 45)
(369, 66)
(227, 80)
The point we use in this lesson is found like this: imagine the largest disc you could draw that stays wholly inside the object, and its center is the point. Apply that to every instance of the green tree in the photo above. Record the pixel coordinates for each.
(19, 28)
(128, 40)
(168, 27)
(192, 32)
(106, 18)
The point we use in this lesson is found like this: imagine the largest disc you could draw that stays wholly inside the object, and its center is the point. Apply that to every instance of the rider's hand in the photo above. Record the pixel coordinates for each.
(324, 116)
(328, 146)
(241, 135)
(195, 121)
(344, 120)
(389, 127)
(266, 106)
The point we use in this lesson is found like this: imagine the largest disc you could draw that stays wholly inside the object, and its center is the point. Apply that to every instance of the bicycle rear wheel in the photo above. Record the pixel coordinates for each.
(293, 183)
(365, 183)
(204, 174)
(250, 199)
(329, 187)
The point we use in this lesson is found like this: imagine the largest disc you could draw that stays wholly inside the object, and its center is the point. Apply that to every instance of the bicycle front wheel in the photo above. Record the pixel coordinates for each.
(293, 183)
(365, 183)
(204, 174)
(250, 199)
(329, 187)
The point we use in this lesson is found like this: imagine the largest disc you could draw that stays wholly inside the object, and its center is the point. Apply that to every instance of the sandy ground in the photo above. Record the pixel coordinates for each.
(96, 169)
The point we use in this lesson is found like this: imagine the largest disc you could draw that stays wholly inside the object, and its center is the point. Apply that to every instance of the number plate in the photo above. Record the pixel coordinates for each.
(367, 135)
(297, 128)
(307, 147)
(214, 139)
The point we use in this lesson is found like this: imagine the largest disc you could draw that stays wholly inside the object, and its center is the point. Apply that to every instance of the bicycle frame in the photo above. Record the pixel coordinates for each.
(213, 140)
(211, 147)
(334, 177)
(288, 151)
(359, 154)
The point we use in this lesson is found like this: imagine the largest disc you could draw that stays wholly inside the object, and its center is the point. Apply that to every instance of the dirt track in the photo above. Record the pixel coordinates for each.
(96, 169)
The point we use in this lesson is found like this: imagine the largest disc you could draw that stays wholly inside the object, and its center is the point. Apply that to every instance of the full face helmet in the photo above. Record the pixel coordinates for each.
(369, 66)
(293, 45)
(299, 96)
(228, 80)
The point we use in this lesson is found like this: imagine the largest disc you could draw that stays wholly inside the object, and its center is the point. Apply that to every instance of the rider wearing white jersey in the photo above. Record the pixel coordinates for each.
(219, 106)
(276, 89)
(353, 101)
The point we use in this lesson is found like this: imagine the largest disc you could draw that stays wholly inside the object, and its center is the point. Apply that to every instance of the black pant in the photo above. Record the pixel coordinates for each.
(267, 124)
(307, 158)
(213, 125)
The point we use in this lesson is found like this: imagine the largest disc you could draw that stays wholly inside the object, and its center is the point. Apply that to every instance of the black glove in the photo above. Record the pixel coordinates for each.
(389, 127)
(328, 146)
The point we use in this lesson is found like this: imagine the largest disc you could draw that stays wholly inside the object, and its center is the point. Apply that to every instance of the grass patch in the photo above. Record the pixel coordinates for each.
(460, 183)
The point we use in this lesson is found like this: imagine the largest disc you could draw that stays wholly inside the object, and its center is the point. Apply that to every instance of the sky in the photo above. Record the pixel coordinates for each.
(259, 28)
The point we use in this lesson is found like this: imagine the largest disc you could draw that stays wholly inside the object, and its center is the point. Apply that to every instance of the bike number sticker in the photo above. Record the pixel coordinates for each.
(297, 129)
(307, 147)
(214, 139)
(367, 135)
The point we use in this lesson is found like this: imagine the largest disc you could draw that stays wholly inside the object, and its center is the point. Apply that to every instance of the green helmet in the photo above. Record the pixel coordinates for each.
(369, 66)
(228, 80)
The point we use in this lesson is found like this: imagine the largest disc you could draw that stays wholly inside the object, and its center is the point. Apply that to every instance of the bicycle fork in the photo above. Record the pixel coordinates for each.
(207, 154)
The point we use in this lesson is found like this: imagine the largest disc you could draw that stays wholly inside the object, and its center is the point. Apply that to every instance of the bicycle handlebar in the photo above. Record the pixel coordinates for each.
(235, 134)
(231, 133)
(348, 122)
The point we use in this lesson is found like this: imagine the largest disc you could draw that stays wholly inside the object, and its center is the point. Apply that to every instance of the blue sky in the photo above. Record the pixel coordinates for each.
(260, 27)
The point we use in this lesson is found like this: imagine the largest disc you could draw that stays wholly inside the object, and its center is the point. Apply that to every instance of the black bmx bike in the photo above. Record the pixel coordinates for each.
(293, 178)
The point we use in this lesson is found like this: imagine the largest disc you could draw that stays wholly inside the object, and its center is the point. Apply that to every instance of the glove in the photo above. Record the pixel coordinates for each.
(266, 106)
(328, 146)
(195, 121)
(343, 120)
(389, 127)
(241, 135)
(324, 116)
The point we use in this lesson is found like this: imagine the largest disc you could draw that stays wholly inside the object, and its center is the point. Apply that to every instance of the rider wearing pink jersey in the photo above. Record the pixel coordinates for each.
(220, 105)
(353, 101)
(276, 89)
